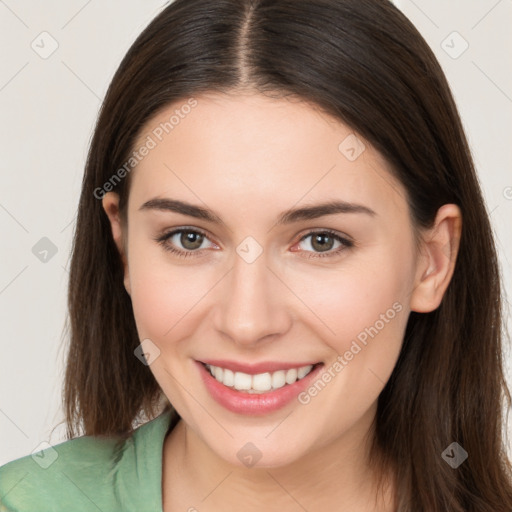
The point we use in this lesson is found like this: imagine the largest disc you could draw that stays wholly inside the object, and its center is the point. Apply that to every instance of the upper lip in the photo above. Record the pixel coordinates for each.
(255, 368)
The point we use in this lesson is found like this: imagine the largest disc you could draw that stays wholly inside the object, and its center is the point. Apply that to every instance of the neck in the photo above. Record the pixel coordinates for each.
(335, 476)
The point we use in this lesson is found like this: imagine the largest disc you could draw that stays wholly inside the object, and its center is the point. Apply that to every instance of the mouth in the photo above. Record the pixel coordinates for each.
(260, 382)
(257, 392)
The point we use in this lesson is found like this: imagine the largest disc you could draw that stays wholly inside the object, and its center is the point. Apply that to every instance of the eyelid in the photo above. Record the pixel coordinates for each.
(345, 241)
(163, 237)
(333, 232)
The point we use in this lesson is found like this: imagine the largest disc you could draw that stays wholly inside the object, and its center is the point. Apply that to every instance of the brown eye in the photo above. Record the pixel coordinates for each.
(183, 242)
(191, 240)
(322, 244)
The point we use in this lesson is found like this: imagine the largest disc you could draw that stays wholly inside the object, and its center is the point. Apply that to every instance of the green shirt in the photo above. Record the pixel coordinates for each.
(91, 473)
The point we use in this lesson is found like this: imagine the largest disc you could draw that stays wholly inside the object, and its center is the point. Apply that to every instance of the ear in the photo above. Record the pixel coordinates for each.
(110, 203)
(436, 263)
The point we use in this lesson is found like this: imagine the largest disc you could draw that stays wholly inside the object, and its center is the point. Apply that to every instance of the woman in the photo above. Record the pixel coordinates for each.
(283, 261)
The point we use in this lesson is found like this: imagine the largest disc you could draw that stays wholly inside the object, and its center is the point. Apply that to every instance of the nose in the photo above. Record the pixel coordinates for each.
(253, 306)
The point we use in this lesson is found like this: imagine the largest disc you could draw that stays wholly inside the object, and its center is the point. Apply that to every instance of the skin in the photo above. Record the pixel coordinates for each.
(248, 158)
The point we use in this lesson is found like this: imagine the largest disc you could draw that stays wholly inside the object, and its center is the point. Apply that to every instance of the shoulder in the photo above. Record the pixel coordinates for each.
(86, 473)
(70, 470)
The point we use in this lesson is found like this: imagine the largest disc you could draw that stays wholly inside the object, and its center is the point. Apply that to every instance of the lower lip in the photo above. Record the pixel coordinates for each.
(255, 404)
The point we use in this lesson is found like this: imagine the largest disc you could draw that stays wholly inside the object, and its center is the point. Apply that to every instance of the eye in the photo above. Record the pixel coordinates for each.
(191, 241)
(323, 242)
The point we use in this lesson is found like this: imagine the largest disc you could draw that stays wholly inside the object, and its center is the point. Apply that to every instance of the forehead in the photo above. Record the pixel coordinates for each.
(241, 150)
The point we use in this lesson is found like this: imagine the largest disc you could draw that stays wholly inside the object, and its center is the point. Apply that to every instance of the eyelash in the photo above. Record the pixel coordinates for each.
(162, 240)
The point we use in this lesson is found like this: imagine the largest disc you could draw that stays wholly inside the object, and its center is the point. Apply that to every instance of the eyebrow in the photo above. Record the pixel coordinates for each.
(287, 217)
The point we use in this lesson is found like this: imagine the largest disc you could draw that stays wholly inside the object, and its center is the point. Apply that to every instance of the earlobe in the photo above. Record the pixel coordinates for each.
(437, 261)
(110, 203)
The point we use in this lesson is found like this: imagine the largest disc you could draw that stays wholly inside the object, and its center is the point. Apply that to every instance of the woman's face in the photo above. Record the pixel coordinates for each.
(259, 292)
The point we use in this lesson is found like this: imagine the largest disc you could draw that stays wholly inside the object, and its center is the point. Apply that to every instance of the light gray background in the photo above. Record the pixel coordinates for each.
(49, 106)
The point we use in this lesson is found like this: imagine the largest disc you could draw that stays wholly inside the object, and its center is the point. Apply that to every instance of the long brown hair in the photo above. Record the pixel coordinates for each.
(363, 62)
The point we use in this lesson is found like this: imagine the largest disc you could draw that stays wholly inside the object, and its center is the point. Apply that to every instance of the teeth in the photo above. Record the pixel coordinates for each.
(302, 372)
(262, 382)
(218, 373)
(291, 376)
(278, 379)
(242, 380)
(228, 378)
(259, 383)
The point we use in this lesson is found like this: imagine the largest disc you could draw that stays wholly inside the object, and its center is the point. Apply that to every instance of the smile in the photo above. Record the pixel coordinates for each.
(259, 383)
(256, 391)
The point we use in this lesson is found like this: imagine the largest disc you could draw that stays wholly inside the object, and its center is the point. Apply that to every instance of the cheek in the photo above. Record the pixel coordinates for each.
(362, 315)
(166, 298)
(356, 301)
